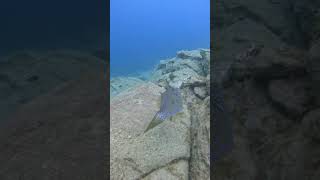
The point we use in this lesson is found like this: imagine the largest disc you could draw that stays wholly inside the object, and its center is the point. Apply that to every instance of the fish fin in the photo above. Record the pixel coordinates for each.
(155, 121)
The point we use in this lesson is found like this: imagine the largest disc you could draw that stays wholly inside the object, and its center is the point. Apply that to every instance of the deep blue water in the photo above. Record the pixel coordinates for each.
(142, 32)
(53, 24)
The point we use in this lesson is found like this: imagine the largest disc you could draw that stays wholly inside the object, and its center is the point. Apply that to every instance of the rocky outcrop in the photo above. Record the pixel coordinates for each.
(193, 54)
(270, 96)
(178, 148)
(135, 155)
(188, 67)
(192, 74)
(269, 107)
(266, 56)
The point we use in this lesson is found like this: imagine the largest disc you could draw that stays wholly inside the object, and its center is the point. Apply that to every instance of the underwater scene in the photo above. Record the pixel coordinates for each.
(264, 90)
(52, 89)
(160, 89)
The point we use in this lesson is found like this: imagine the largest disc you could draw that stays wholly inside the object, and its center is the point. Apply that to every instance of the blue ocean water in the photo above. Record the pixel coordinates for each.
(142, 32)
(41, 25)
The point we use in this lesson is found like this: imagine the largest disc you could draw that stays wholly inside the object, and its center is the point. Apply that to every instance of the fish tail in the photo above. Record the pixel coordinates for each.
(155, 121)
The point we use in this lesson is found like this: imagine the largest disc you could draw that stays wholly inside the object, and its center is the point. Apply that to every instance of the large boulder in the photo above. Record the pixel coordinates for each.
(189, 67)
(160, 152)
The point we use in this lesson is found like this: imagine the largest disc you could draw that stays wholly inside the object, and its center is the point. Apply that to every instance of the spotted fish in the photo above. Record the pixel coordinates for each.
(171, 104)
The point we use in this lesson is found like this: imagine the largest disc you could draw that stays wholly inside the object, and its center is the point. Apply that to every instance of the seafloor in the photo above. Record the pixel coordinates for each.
(53, 115)
(178, 148)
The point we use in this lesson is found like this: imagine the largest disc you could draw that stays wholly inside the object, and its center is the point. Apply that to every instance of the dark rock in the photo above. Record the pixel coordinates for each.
(171, 76)
(291, 95)
(307, 17)
(267, 92)
(281, 22)
(194, 54)
(269, 64)
(313, 66)
(311, 124)
(161, 66)
(249, 30)
(200, 92)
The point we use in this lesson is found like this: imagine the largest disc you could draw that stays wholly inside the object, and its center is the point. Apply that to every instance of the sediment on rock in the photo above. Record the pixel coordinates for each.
(178, 148)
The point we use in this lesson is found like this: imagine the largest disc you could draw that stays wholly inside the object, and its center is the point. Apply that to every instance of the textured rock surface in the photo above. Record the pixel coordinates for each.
(291, 95)
(271, 111)
(120, 84)
(266, 54)
(270, 63)
(282, 25)
(200, 155)
(201, 92)
(237, 38)
(53, 135)
(134, 154)
(177, 148)
(191, 69)
(313, 67)
(174, 171)
(311, 124)
(194, 54)
(25, 75)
